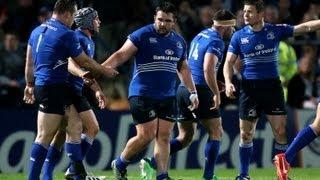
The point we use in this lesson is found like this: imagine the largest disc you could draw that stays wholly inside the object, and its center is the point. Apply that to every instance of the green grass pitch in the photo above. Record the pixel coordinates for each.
(195, 174)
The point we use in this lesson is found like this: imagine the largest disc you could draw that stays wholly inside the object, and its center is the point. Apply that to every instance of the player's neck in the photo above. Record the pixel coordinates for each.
(218, 30)
(258, 26)
(87, 32)
(60, 18)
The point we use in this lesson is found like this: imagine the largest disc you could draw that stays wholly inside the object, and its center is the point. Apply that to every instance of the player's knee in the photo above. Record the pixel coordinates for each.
(44, 137)
(246, 136)
(280, 132)
(74, 131)
(216, 134)
(186, 138)
(146, 136)
(92, 131)
(164, 137)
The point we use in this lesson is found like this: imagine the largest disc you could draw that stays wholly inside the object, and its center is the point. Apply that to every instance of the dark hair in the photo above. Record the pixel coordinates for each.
(223, 15)
(62, 6)
(167, 7)
(259, 4)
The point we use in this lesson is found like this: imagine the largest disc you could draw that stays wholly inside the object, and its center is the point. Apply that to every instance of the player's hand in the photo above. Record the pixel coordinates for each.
(194, 101)
(88, 82)
(216, 102)
(87, 75)
(230, 89)
(110, 72)
(102, 99)
(28, 96)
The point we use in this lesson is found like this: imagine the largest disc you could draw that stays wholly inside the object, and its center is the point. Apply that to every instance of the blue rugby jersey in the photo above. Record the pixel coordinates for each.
(88, 46)
(155, 63)
(52, 43)
(207, 41)
(259, 50)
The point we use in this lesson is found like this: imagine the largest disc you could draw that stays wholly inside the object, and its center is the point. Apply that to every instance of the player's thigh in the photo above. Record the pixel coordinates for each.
(147, 130)
(212, 125)
(277, 121)
(165, 128)
(89, 120)
(48, 124)
(187, 128)
(59, 138)
(74, 127)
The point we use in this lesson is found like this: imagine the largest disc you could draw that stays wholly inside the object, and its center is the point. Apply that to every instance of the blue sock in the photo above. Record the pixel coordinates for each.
(175, 146)
(153, 162)
(162, 175)
(279, 148)
(37, 157)
(52, 158)
(245, 153)
(304, 137)
(121, 163)
(211, 154)
(86, 143)
(73, 151)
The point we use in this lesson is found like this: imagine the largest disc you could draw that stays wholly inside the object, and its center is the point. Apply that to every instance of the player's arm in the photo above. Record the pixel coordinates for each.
(210, 75)
(228, 73)
(75, 69)
(85, 61)
(127, 51)
(306, 27)
(29, 77)
(184, 74)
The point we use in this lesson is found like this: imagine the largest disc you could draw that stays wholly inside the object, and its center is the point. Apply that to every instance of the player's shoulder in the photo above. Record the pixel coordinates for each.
(144, 30)
(180, 41)
(177, 36)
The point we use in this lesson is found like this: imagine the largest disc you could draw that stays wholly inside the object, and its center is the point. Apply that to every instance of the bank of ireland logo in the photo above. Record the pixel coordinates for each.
(315, 144)
(169, 52)
(259, 47)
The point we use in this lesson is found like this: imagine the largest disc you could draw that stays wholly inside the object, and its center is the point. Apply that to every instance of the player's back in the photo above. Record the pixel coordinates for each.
(52, 43)
(207, 41)
(155, 62)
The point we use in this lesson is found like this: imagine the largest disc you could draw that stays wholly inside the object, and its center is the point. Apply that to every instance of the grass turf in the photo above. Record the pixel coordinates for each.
(196, 174)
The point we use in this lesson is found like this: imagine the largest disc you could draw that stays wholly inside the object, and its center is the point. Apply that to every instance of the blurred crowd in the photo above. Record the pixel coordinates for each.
(299, 60)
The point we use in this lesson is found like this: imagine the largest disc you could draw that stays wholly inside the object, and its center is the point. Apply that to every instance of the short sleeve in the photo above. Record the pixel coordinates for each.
(31, 38)
(284, 31)
(216, 48)
(136, 37)
(234, 44)
(73, 44)
(184, 50)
